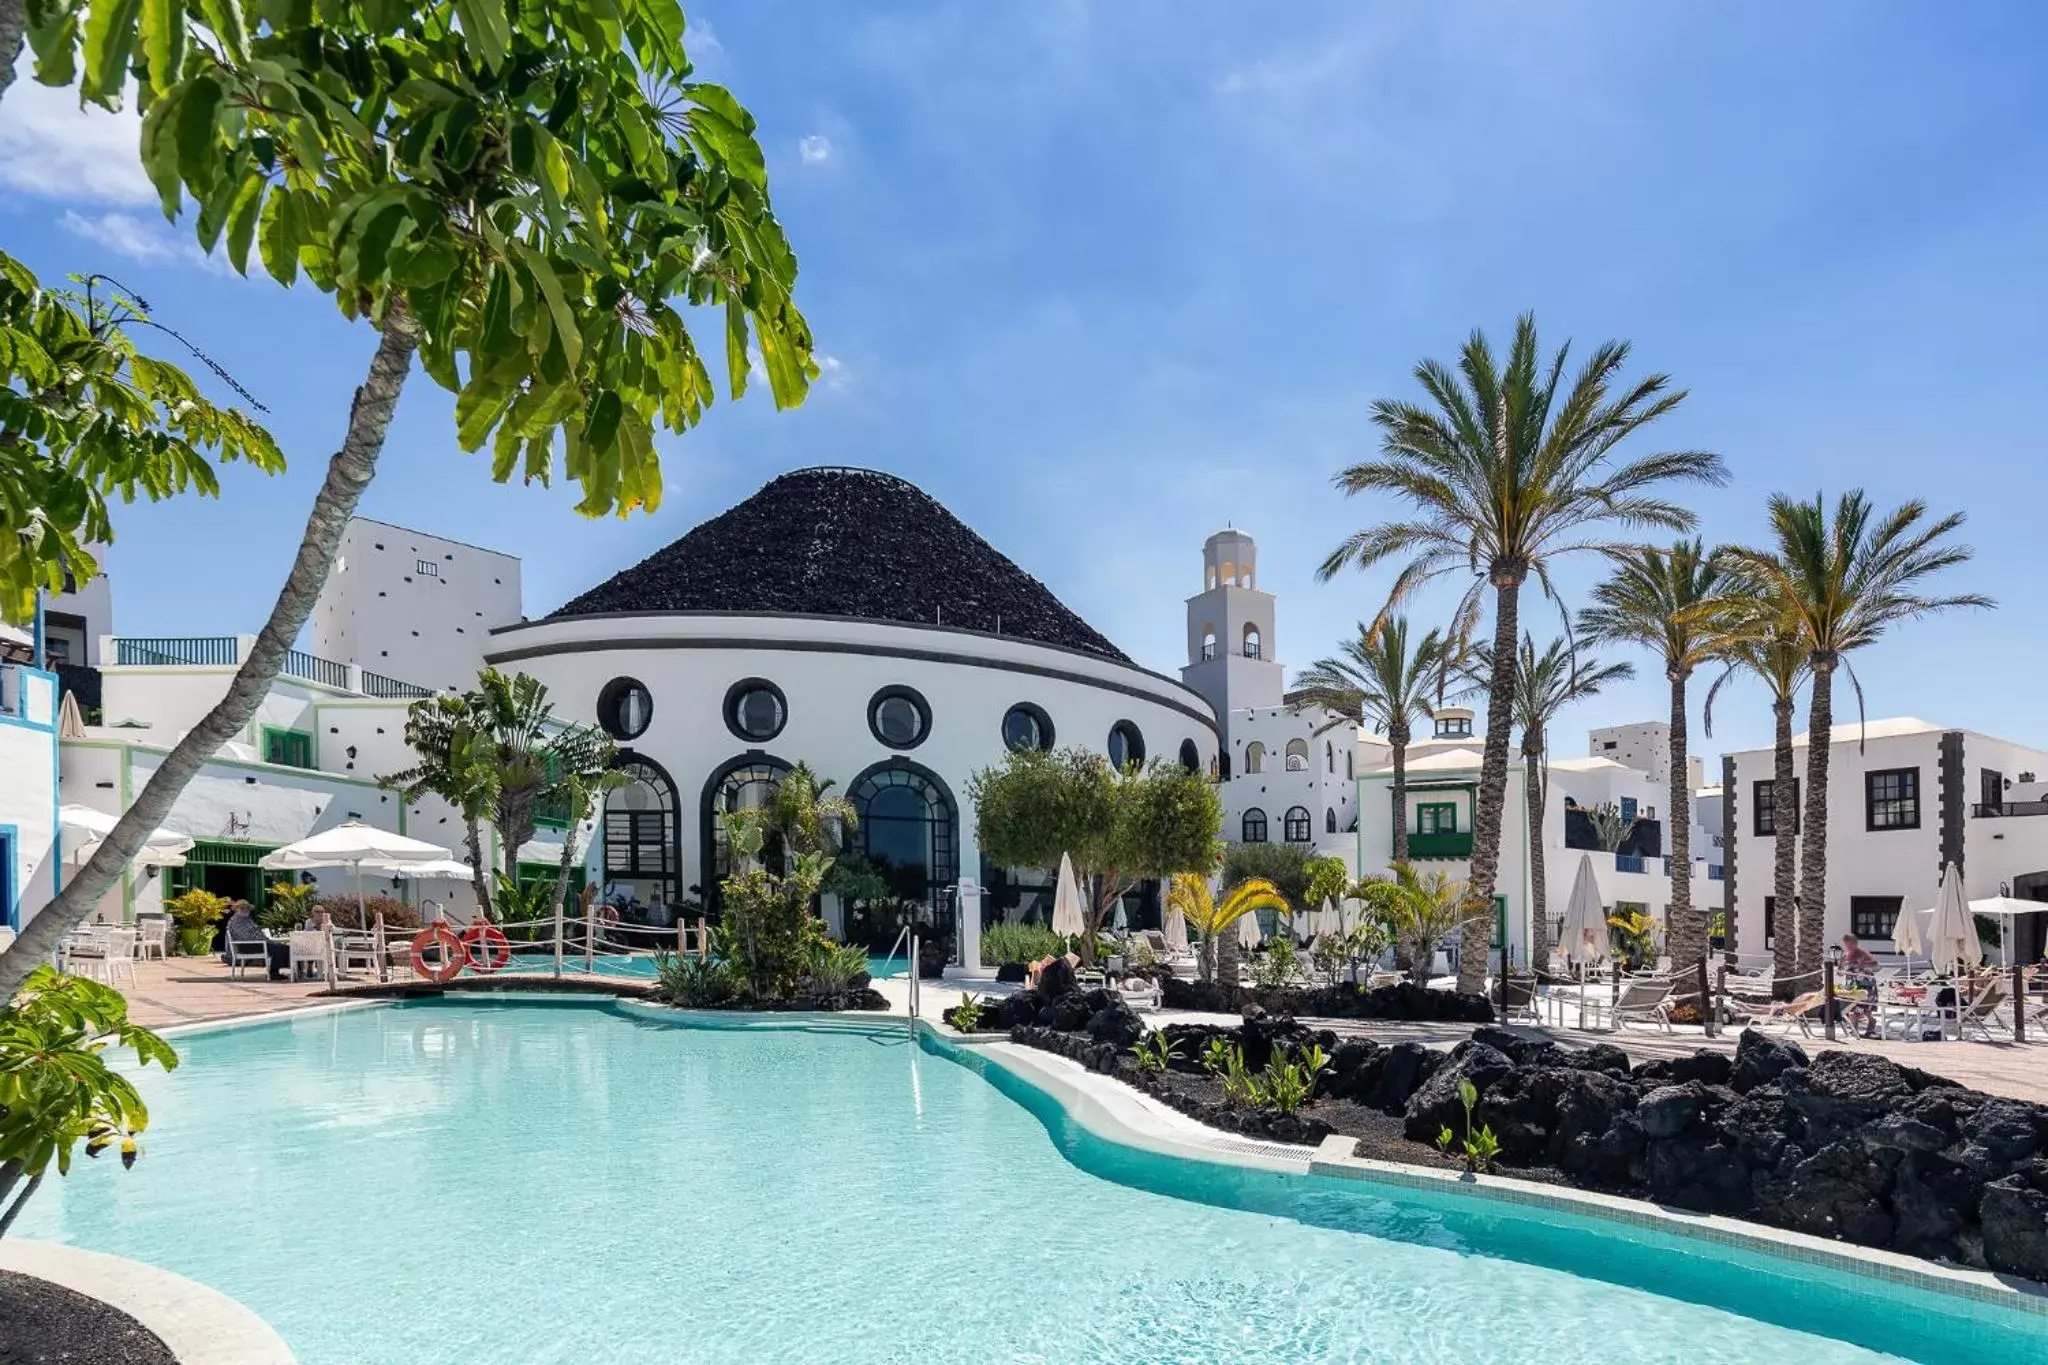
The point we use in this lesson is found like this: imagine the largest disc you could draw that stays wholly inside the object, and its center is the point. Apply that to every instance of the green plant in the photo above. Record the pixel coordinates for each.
(196, 912)
(290, 905)
(966, 1016)
(1274, 969)
(1286, 1085)
(1633, 935)
(1154, 1053)
(1481, 1149)
(1418, 910)
(1215, 921)
(56, 1089)
(347, 914)
(1215, 1056)
(1240, 1084)
(856, 879)
(835, 966)
(768, 927)
(693, 982)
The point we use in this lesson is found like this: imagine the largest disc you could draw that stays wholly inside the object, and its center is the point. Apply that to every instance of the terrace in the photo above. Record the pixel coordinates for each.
(228, 651)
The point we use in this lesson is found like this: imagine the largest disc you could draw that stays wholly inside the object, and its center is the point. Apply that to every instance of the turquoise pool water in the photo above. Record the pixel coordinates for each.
(642, 965)
(473, 1182)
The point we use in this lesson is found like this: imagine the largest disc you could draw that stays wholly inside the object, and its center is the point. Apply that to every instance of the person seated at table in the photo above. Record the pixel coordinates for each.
(1859, 973)
(243, 928)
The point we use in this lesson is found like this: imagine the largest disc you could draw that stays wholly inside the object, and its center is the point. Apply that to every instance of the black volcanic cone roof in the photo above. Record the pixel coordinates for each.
(845, 542)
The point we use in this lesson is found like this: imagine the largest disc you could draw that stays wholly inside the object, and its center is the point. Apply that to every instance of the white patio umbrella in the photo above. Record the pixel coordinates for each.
(437, 870)
(353, 844)
(1909, 937)
(1068, 919)
(2007, 908)
(1327, 922)
(1176, 931)
(1953, 936)
(161, 848)
(1584, 939)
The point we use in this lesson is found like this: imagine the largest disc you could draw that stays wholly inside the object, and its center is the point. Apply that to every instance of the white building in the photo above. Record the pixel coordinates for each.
(31, 847)
(1644, 745)
(1905, 798)
(406, 605)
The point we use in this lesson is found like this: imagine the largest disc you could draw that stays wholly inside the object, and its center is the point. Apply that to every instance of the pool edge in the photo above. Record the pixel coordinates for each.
(196, 1322)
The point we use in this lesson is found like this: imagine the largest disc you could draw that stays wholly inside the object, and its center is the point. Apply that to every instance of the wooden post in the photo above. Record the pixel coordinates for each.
(1707, 1019)
(377, 943)
(1720, 989)
(327, 945)
(2019, 992)
(682, 938)
(558, 940)
(1827, 997)
(703, 939)
(589, 932)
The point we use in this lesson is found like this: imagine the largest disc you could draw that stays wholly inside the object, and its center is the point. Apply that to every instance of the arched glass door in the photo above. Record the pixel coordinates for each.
(641, 862)
(909, 832)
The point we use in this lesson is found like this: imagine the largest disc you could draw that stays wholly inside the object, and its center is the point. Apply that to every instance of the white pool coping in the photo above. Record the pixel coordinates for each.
(1117, 1113)
(200, 1325)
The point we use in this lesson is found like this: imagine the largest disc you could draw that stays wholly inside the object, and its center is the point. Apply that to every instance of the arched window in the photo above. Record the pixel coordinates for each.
(745, 783)
(909, 830)
(1253, 829)
(1330, 819)
(1254, 758)
(1190, 756)
(1208, 642)
(1297, 755)
(1229, 574)
(1295, 825)
(641, 833)
(1329, 757)
(1126, 745)
(1251, 642)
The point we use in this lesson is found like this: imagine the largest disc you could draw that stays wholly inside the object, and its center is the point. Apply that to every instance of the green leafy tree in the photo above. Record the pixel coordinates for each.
(1545, 683)
(1119, 829)
(522, 197)
(1664, 601)
(1378, 680)
(1844, 580)
(56, 1089)
(806, 816)
(1285, 866)
(449, 740)
(1759, 642)
(1507, 470)
(767, 929)
(85, 416)
(1327, 878)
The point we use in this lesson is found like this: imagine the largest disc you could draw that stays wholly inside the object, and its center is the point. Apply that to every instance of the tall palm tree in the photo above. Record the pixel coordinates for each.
(1378, 680)
(1545, 684)
(1760, 643)
(1664, 601)
(453, 753)
(1188, 893)
(1505, 472)
(1844, 579)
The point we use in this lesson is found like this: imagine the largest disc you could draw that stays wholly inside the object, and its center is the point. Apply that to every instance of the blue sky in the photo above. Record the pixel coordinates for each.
(1102, 277)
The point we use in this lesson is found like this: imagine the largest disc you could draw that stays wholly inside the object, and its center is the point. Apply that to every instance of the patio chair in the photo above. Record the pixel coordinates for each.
(310, 952)
(1986, 1011)
(1139, 992)
(1641, 998)
(244, 953)
(1797, 1012)
(120, 956)
(1518, 998)
(84, 953)
(354, 950)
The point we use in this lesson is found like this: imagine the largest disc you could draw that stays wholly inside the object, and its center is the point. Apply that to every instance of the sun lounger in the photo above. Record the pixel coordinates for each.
(1797, 1012)
(1987, 1011)
(1642, 999)
(1139, 992)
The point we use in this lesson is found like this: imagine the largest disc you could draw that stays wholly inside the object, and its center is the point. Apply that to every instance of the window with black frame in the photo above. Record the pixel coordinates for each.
(640, 857)
(1891, 799)
(1295, 825)
(1252, 829)
(1874, 917)
(1763, 808)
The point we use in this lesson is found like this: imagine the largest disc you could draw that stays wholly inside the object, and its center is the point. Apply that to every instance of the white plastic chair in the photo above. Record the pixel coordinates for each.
(244, 953)
(152, 936)
(119, 959)
(309, 948)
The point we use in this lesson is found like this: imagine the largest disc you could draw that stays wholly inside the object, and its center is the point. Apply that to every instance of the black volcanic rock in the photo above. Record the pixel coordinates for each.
(845, 542)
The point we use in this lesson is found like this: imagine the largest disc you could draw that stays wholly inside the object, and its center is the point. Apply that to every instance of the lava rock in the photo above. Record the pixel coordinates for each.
(1402, 1072)
(2014, 1218)
(1708, 1068)
(1760, 1060)
(1595, 1137)
(1057, 979)
(1116, 1023)
(2007, 1131)
(1522, 1109)
(1439, 1103)
(1669, 1110)
(1602, 1057)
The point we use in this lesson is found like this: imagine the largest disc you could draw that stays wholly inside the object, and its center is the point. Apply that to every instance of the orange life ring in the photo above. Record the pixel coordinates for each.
(454, 956)
(606, 914)
(487, 947)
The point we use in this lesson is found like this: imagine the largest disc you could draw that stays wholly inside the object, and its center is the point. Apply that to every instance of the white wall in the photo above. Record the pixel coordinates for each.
(379, 609)
(28, 789)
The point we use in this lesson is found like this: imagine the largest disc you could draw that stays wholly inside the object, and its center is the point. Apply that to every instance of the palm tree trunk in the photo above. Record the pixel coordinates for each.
(1538, 778)
(1813, 852)
(1687, 942)
(479, 875)
(1226, 962)
(1397, 736)
(348, 473)
(1785, 854)
(1493, 784)
(13, 36)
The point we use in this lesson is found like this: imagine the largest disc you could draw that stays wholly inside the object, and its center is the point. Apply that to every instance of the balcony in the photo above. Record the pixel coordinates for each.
(228, 651)
(1453, 845)
(190, 651)
(2004, 808)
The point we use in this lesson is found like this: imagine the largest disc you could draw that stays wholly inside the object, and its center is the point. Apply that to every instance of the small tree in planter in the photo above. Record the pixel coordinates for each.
(1120, 829)
(196, 913)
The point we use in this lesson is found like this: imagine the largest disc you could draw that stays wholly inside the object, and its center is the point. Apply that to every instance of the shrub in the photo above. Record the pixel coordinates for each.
(1274, 968)
(197, 909)
(1006, 944)
(346, 915)
(966, 1016)
(290, 905)
(836, 966)
(692, 982)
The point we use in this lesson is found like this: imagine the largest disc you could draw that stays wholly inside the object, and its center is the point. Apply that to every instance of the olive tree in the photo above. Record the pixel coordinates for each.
(1120, 829)
(522, 198)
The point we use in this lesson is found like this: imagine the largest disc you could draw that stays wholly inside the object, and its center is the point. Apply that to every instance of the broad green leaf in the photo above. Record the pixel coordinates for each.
(280, 245)
(224, 17)
(737, 361)
(197, 115)
(163, 41)
(551, 289)
(485, 25)
(160, 151)
(242, 218)
(110, 29)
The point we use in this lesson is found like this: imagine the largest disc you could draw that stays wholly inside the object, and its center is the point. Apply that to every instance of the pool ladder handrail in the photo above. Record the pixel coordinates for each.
(908, 939)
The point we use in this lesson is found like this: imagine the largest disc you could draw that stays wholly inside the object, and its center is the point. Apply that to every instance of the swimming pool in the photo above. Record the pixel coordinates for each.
(464, 1181)
(642, 965)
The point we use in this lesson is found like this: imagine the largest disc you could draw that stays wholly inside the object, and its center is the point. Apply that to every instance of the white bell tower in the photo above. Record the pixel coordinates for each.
(1230, 631)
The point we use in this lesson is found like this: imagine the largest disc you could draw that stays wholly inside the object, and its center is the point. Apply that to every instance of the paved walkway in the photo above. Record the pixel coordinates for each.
(189, 990)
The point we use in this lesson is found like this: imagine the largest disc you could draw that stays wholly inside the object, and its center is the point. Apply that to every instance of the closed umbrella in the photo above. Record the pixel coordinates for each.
(1327, 922)
(1068, 921)
(1176, 931)
(1909, 939)
(1584, 939)
(1953, 936)
(1248, 931)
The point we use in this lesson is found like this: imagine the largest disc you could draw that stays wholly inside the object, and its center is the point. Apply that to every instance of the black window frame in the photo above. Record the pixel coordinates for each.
(893, 692)
(1297, 826)
(1864, 913)
(1762, 808)
(1329, 819)
(1251, 826)
(1905, 803)
(609, 700)
(730, 709)
(1190, 756)
(1038, 717)
(1134, 744)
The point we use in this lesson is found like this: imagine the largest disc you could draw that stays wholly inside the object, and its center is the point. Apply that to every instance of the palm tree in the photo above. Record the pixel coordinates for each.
(1379, 681)
(1664, 601)
(1843, 580)
(447, 737)
(1761, 644)
(806, 816)
(1545, 684)
(1419, 911)
(1188, 893)
(1505, 475)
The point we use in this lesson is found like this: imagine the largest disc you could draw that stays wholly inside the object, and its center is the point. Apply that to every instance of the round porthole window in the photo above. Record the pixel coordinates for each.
(1126, 745)
(755, 709)
(899, 717)
(624, 708)
(1026, 727)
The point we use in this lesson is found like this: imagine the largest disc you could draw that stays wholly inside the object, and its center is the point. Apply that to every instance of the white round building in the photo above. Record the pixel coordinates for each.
(843, 619)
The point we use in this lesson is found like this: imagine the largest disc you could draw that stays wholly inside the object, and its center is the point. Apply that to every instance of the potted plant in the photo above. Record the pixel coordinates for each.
(197, 913)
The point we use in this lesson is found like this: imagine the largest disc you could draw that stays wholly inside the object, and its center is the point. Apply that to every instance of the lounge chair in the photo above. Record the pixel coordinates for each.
(1161, 953)
(1987, 1010)
(1139, 992)
(1797, 1012)
(1641, 998)
(1518, 998)
(153, 936)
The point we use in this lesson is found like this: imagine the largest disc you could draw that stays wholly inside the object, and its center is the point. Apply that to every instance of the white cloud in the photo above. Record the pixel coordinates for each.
(51, 147)
(139, 239)
(815, 149)
(832, 373)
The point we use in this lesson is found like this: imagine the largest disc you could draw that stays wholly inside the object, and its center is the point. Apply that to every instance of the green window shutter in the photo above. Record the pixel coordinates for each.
(287, 748)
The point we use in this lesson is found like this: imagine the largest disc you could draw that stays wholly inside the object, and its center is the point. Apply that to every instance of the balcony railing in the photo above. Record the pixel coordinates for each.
(1454, 845)
(2003, 808)
(199, 651)
(1627, 862)
(377, 685)
(313, 668)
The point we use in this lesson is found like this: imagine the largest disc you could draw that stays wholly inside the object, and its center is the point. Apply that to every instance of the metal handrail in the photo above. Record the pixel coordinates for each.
(907, 940)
